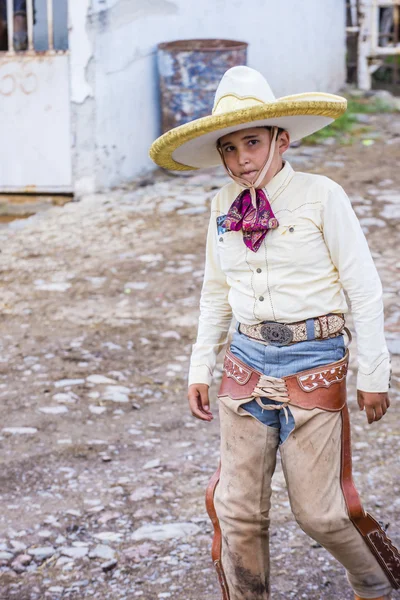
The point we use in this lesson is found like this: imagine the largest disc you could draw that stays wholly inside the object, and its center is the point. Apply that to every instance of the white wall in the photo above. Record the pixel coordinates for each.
(299, 46)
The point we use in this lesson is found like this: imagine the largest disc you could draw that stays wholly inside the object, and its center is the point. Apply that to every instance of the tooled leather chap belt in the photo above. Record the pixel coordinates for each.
(325, 388)
(283, 334)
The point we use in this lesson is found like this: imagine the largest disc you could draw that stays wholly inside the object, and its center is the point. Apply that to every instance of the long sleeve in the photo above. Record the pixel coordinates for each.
(215, 313)
(358, 275)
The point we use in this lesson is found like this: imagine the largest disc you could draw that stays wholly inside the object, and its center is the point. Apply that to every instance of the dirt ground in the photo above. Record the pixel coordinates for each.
(99, 306)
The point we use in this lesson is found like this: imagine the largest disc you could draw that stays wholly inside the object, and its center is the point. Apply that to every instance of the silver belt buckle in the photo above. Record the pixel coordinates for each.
(277, 334)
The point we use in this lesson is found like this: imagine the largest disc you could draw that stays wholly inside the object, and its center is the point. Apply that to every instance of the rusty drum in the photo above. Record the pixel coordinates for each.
(189, 72)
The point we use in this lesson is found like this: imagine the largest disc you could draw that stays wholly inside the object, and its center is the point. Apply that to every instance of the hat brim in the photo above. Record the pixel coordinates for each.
(193, 145)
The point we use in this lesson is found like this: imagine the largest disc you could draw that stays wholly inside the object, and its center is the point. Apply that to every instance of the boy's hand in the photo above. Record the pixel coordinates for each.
(374, 403)
(198, 401)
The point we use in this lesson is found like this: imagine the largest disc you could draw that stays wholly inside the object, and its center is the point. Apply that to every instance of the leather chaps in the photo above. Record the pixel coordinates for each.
(324, 388)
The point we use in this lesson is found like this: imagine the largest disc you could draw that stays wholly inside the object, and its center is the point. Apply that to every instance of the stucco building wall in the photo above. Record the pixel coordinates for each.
(298, 46)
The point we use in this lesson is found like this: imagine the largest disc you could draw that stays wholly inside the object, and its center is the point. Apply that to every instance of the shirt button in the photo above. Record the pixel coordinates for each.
(221, 239)
(259, 270)
(291, 229)
(261, 298)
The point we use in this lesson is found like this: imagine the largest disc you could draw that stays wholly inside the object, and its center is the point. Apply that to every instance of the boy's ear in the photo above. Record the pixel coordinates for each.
(283, 142)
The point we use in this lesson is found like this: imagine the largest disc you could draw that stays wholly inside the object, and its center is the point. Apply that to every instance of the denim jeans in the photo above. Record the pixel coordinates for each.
(280, 361)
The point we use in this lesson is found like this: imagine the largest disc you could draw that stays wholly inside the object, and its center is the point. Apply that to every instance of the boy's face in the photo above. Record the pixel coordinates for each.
(246, 151)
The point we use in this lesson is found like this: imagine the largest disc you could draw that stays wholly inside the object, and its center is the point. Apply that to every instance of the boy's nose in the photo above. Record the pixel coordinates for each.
(243, 159)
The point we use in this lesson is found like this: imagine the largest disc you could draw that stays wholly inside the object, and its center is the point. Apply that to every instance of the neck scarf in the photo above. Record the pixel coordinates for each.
(251, 211)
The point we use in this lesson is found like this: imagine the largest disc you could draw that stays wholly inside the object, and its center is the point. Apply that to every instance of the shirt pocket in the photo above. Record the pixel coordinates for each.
(299, 239)
(231, 251)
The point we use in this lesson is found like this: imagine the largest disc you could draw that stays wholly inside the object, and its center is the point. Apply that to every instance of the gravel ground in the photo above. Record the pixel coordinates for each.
(103, 470)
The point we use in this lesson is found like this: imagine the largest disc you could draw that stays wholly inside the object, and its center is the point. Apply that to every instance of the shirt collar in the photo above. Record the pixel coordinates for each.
(279, 182)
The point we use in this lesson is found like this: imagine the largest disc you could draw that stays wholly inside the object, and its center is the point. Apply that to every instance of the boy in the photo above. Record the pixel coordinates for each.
(281, 249)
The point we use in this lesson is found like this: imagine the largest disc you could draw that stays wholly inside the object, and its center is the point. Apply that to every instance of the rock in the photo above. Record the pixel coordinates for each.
(151, 258)
(65, 398)
(165, 532)
(75, 552)
(137, 285)
(108, 566)
(63, 560)
(6, 556)
(60, 540)
(142, 493)
(19, 430)
(171, 334)
(18, 546)
(68, 382)
(108, 536)
(21, 562)
(100, 379)
(117, 393)
(394, 346)
(138, 552)
(103, 552)
(45, 533)
(97, 410)
(52, 287)
(109, 516)
(152, 464)
(24, 559)
(192, 210)
(53, 410)
(362, 118)
(42, 552)
(372, 221)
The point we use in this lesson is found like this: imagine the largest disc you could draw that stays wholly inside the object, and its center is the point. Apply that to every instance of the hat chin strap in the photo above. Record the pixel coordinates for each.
(261, 173)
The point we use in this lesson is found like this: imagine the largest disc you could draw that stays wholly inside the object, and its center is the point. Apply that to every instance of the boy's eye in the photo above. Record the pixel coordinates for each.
(253, 142)
(229, 148)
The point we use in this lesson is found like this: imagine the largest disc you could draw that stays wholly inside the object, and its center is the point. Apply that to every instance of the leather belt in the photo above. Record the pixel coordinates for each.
(283, 334)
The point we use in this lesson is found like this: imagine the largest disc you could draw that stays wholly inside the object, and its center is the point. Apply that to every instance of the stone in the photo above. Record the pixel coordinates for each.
(53, 410)
(108, 536)
(42, 552)
(142, 493)
(4, 555)
(102, 551)
(108, 516)
(151, 258)
(18, 546)
(117, 393)
(165, 532)
(52, 287)
(45, 533)
(20, 430)
(65, 398)
(362, 118)
(100, 379)
(109, 565)
(68, 382)
(192, 210)
(74, 553)
(171, 335)
(137, 285)
(152, 464)
(394, 346)
(97, 410)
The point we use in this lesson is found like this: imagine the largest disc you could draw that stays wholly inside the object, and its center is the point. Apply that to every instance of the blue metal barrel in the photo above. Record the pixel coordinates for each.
(189, 72)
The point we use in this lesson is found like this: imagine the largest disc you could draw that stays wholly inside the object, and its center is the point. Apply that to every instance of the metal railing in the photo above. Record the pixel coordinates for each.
(378, 39)
(30, 22)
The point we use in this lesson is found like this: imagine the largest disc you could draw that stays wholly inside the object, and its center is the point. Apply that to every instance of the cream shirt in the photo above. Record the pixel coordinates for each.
(301, 271)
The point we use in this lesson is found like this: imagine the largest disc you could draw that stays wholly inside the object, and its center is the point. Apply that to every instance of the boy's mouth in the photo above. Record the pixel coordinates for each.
(249, 174)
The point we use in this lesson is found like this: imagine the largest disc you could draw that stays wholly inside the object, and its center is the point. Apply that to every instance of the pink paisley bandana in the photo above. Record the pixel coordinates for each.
(254, 222)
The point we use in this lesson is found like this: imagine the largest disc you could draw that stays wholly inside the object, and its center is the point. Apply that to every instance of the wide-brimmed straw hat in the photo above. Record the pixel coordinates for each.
(243, 99)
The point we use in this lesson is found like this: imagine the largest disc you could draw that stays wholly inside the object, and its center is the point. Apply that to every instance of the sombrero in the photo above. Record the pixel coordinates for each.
(243, 99)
